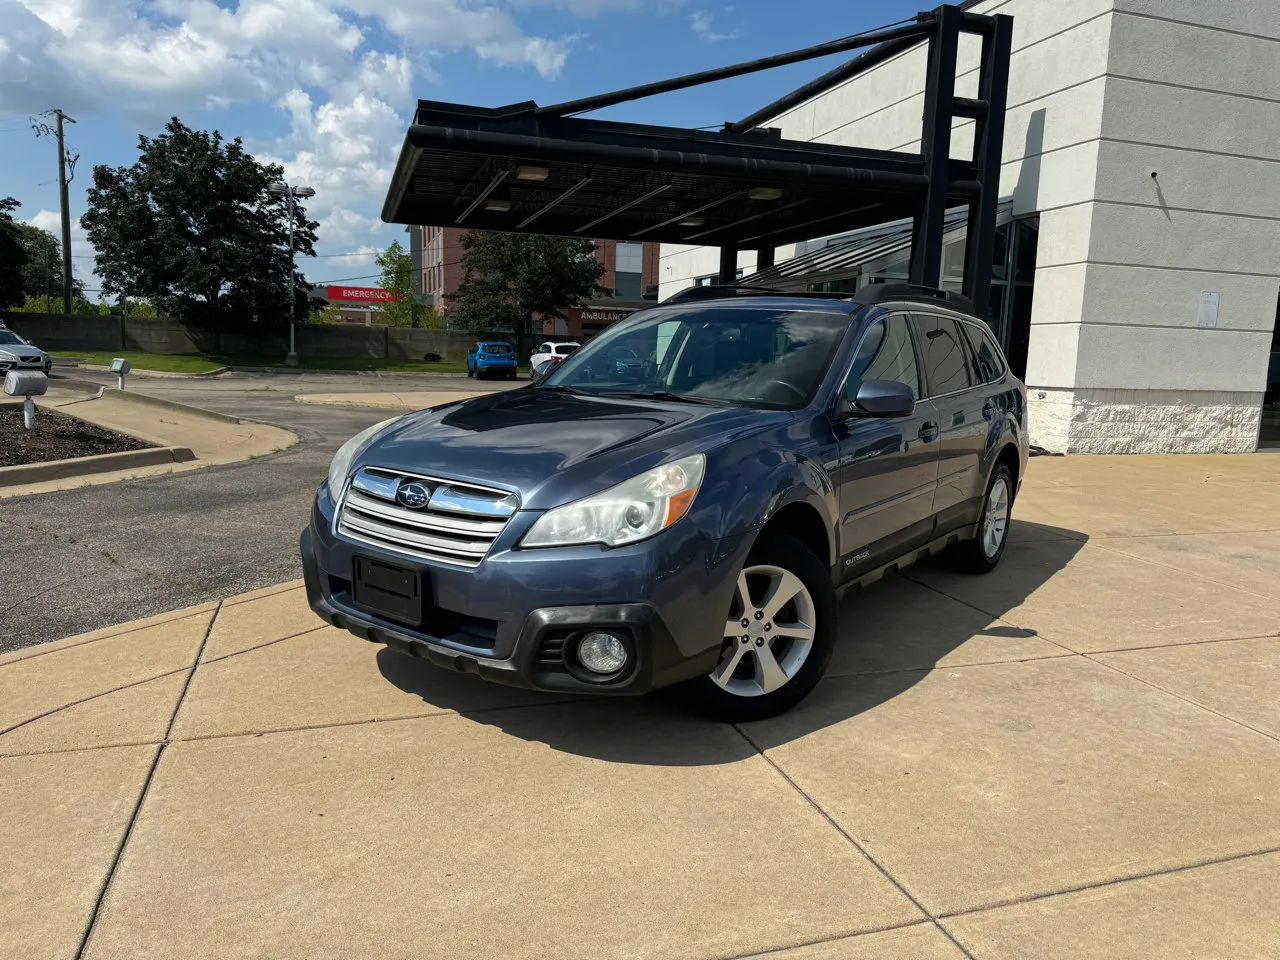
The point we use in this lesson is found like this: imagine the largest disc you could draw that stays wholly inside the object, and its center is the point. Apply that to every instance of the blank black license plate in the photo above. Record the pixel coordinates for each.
(388, 590)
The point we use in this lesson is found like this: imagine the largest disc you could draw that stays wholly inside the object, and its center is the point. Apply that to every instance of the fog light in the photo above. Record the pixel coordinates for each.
(602, 653)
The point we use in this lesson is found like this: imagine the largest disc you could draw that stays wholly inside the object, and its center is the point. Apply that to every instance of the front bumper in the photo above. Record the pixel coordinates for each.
(513, 619)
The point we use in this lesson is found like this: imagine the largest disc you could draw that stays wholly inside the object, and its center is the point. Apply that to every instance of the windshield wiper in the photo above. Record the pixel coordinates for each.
(666, 395)
(555, 388)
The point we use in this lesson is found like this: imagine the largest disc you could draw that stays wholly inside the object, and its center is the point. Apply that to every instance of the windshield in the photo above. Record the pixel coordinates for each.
(496, 347)
(564, 349)
(8, 336)
(754, 356)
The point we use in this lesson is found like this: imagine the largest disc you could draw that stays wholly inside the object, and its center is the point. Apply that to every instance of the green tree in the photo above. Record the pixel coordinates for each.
(13, 256)
(191, 229)
(397, 279)
(509, 277)
(42, 275)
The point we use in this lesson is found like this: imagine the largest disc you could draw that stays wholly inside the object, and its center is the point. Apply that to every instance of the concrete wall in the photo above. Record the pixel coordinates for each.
(1191, 94)
(149, 335)
(1101, 93)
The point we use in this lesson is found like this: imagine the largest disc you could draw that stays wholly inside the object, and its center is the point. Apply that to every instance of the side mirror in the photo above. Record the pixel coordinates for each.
(884, 398)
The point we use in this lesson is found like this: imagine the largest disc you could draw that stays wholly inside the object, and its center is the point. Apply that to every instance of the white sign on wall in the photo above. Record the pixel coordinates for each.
(1209, 308)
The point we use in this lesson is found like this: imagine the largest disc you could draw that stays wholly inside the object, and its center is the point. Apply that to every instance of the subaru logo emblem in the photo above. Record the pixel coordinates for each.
(413, 495)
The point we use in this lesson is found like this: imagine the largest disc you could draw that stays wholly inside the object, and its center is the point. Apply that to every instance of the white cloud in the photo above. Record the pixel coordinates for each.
(323, 63)
(701, 23)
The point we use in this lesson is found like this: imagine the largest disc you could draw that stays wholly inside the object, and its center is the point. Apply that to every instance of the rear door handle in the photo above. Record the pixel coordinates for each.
(928, 431)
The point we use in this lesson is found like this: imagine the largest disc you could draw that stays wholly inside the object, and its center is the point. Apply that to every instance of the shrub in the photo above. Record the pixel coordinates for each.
(432, 357)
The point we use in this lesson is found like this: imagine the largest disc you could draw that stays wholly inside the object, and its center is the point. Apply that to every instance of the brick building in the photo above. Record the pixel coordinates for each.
(630, 271)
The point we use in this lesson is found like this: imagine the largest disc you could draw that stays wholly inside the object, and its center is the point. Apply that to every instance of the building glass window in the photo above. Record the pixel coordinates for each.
(629, 265)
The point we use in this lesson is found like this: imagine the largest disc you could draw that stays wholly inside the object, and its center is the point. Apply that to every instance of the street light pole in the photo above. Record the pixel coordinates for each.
(290, 192)
(291, 358)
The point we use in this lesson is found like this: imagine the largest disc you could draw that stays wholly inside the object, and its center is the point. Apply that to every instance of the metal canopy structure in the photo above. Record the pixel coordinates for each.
(532, 169)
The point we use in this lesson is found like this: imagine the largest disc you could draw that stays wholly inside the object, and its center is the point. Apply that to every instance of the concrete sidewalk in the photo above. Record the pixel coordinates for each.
(1078, 756)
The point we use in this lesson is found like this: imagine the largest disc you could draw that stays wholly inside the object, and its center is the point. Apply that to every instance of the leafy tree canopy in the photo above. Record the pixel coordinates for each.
(397, 277)
(42, 274)
(191, 229)
(509, 277)
(13, 255)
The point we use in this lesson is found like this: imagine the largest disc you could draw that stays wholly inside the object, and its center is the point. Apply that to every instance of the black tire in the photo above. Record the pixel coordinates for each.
(470, 372)
(707, 697)
(977, 555)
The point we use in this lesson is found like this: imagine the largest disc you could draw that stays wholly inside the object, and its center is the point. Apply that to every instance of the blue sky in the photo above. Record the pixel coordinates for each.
(326, 87)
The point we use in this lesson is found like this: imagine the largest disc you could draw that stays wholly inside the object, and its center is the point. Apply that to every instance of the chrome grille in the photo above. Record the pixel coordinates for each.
(457, 525)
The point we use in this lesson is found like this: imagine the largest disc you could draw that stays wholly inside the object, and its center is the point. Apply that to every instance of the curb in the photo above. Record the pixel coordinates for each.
(157, 374)
(101, 463)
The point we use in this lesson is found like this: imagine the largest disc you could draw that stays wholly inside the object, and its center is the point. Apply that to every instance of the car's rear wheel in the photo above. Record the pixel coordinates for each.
(778, 636)
(470, 372)
(983, 552)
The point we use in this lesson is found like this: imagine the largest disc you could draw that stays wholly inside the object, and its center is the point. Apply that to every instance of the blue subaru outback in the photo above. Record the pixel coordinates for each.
(685, 518)
(491, 359)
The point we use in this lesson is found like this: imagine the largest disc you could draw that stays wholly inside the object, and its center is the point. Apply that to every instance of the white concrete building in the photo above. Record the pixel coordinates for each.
(1143, 139)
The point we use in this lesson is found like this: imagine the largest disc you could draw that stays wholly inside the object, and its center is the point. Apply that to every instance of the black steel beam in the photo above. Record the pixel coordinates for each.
(733, 70)
(935, 147)
(966, 107)
(764, 258)
(832, 78)
(988, 147)
(484, 143)
(728, 264)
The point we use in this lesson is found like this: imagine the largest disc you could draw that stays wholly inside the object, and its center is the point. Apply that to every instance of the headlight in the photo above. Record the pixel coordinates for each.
(6, 355)
(346, 455)
(631, 511)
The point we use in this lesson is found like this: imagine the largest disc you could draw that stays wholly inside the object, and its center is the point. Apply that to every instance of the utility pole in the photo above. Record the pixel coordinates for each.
(66, 214)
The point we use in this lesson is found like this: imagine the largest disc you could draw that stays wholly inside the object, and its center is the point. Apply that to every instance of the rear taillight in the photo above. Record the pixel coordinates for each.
(1022, 409)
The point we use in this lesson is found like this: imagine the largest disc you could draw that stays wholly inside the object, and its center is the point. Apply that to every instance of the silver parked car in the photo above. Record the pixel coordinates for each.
(18, 354)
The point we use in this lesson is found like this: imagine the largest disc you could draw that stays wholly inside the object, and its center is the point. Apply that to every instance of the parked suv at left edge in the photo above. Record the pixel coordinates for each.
(685, 517)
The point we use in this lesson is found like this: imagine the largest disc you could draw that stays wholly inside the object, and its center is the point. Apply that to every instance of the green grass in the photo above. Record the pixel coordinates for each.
(197, 363)
(165, 362)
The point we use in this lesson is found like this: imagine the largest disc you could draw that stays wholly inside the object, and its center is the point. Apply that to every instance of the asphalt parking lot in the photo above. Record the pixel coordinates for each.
(86, 558)
(1076, 757)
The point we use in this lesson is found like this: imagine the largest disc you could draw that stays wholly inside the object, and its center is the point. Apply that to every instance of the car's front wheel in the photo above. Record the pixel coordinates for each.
(778, 637)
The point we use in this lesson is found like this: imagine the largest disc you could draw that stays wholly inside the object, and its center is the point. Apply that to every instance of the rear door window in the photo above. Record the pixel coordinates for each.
(945, 355)
(987, 356)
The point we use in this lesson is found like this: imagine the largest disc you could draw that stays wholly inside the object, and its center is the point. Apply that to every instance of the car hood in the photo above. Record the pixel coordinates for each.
(22, 351)
(554, 447)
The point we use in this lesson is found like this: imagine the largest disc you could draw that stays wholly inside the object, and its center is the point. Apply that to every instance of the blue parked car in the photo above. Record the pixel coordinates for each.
(679, 501)
(496, 359)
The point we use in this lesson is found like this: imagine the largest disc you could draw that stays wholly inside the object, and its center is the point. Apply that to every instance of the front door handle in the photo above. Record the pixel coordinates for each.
(928, 431)
(988, 410)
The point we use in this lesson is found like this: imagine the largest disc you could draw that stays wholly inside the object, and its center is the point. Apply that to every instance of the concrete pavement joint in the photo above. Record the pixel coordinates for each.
(1188, 573)
(854, 843)
(76, 703)
(1178, 696)
(1113, 882)
(142, 795)
(182, 615)
(838, 938)
(267, 643)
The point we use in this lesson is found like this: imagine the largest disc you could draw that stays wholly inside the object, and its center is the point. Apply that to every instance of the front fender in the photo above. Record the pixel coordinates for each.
(749, 487)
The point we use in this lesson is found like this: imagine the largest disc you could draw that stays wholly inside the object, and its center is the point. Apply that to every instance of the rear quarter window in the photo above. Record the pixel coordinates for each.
(987, 355)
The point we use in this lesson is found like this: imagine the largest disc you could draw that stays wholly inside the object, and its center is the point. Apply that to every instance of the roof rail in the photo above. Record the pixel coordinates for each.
(882, 292)
(720, 291)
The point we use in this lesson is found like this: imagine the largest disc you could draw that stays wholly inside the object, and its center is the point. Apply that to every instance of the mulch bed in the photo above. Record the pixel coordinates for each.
(56, 437)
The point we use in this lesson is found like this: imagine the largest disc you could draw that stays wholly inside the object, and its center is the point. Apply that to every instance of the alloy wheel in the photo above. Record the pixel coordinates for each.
(995, 520)
(769, 632)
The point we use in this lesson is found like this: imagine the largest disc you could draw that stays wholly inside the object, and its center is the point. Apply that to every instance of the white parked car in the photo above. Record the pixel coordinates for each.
(550, 353)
